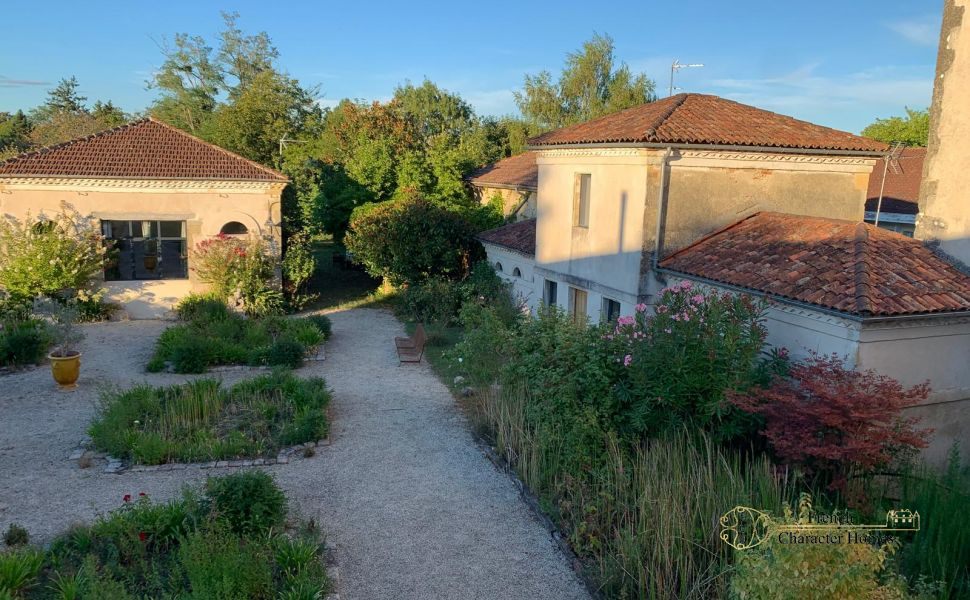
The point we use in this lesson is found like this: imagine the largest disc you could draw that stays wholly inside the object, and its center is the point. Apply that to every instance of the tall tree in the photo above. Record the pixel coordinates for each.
(189, 81)
(64, 116)
(912, 129)
(590, 85)
(243, 57)
(14, 134)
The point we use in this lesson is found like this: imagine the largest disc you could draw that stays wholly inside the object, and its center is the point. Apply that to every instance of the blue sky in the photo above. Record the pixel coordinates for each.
(837, 63)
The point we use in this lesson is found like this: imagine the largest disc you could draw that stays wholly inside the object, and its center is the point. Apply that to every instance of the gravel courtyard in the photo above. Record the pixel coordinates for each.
(414, 508)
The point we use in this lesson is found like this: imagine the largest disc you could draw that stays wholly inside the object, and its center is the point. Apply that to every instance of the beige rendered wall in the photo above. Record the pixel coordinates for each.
(708, 190)
(204, 206)
(945, 191)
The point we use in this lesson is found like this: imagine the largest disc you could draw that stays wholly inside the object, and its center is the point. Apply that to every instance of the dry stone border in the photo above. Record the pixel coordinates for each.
(116, 466)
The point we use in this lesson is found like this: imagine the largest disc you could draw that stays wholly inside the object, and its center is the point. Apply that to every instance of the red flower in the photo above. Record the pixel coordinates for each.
(141, 494)
(142, 536)
(127, 498)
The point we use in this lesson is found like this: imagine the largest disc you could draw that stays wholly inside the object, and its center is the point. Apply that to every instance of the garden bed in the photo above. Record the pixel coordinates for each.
(228, 541)
(202, 421)
(211, 335)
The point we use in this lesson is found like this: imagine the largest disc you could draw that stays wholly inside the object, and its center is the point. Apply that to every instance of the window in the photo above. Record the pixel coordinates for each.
(581, 200)
(577, 304)
(498, 267)
(516, 272)
(611, 310)
(234, 228)
(145, 250)
(550, 292)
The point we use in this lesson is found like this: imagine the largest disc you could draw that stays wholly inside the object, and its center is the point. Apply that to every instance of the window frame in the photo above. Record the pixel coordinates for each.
(582, 198)
(574, 295)
(550, 292)
(607, 302)
(158, 239)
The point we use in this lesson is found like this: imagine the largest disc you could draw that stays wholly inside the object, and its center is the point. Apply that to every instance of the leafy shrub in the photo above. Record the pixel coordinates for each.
(199, 420)
(836, 421)
(23, 342)
(434, 300)
(51, 256)
(19, 570)
(285, 353)
(202, 308)
(411, 239)
(16, 536)
(250, 502)
(241, 268)
(793, 571)
(299, 265)
(677, 366)
(218, 566)
(323, 324)
(190, 356)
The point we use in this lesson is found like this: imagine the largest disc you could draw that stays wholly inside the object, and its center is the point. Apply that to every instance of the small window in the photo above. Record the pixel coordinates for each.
(516, 272)
(611, 310)
(577, 304)
(234, 228)
(498, 267)
(581, 200)
(550, 292)
(145, 250)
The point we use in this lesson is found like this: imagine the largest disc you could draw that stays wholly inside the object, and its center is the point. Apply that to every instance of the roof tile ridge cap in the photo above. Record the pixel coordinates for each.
(651, 132)
(863, 284)
(83, 138)
(219, 148)
(714, 233)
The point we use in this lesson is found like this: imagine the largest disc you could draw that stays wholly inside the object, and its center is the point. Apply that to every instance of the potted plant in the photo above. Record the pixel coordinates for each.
(64, 356)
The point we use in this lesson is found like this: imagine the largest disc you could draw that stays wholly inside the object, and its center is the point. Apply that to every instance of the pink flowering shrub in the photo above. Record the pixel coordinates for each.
(677, 365)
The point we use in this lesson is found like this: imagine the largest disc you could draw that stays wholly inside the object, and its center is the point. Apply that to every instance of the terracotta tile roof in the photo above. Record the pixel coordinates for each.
(709, 120)
(519, 236)
(145, 149)
(519, 171)
(901, 194)
(851, 267)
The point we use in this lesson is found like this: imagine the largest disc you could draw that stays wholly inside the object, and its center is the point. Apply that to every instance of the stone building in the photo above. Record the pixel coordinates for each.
(511, 183)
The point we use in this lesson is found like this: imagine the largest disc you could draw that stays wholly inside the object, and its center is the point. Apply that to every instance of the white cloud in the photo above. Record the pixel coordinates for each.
(924, 31)
(11, 83)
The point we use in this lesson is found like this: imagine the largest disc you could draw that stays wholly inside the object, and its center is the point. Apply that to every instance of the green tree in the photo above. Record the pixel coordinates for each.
(411, 239)
(591, 85)
(243, 57)
(14, 134)
(108, 115)
(64, 116)
(189, 81)
(271, 107)
(912, 129)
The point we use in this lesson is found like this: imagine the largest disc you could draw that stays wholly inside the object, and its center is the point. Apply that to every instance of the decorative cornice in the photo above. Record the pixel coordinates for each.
(599, 152)
(142, 185)
(772, 160)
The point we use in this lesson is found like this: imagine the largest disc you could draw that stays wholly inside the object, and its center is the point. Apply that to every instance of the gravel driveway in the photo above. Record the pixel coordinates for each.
(414, 508)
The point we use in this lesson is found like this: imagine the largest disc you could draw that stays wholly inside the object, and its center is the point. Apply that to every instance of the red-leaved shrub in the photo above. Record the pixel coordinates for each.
(836, 421)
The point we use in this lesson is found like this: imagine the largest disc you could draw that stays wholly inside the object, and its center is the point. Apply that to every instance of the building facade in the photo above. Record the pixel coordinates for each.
(156, 192)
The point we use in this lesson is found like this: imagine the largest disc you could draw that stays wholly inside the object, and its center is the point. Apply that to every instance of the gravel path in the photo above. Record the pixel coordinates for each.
(414, 509)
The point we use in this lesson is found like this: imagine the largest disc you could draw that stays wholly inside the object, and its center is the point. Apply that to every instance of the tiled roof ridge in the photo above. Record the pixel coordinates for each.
(83, 138)
(863, 285)
(276, 175)
(651, 132)
(229, 153)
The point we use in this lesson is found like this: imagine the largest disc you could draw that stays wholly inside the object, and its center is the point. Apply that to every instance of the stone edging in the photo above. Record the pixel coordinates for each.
(333, 571)
(116, 466)
(533, 503)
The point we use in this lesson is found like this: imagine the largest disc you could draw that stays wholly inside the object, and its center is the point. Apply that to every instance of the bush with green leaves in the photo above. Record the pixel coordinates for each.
(16, 535)
(249, 502)
(439, 300)
(411, 239)
(55, 256)
(213, 544)
(211, 334)
(299, 265)
(243, 269)
(23, 342)
(202, 421)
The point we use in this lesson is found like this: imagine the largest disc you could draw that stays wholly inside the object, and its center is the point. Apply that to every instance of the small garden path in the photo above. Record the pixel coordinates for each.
(413, 507)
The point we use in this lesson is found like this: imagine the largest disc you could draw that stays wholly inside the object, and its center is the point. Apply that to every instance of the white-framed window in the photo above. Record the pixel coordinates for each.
(550, 292)
(516, 272)
(611, 310)
(581, 196)
(578, 301)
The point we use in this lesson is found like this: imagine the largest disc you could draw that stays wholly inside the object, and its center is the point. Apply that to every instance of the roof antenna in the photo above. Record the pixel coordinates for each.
(890, 162)
(676, 66)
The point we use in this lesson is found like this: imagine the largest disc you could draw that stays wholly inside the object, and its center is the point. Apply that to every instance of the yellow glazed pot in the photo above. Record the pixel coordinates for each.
(66, 369)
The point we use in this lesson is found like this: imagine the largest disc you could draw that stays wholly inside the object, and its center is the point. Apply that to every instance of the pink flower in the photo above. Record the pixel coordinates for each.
(640, 307)
(625, 321)
(627, 360)
(661, 309)
(698, 299)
